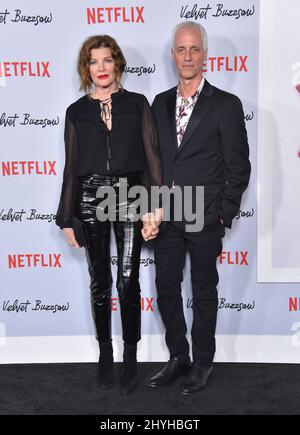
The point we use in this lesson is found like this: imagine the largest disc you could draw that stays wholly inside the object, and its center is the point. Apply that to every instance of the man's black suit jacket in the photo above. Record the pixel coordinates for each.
(214, 151)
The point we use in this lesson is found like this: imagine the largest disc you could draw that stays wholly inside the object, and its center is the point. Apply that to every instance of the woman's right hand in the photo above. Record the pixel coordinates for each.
(69, 233)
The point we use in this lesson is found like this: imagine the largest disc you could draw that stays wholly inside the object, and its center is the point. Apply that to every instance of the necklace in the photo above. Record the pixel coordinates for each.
(105, 109)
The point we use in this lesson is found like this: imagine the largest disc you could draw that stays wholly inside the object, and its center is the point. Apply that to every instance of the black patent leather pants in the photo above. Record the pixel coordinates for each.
(128, 240)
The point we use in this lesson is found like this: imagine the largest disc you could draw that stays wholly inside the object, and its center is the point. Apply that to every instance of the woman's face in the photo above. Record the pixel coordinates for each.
(102, 67)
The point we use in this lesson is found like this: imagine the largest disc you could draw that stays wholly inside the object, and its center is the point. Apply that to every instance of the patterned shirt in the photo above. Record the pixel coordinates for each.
(184, 109)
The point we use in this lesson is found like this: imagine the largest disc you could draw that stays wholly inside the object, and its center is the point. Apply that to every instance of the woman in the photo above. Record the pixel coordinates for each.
(109, 135)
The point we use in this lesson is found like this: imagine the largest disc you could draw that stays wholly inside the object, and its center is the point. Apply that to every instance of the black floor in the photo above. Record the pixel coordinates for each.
(65, 389)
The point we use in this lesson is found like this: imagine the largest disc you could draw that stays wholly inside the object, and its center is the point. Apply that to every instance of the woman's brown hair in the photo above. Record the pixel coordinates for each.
(84, 58)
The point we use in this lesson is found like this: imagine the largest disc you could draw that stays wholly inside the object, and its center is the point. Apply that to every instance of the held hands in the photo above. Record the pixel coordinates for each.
(149, 231)
(151, 223)
(69, 233)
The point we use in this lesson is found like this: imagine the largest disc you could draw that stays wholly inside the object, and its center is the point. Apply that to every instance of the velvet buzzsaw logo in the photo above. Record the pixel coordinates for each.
(198, 12)
(17, 306)
(26, 119)
(223, 303)
(139, 70)
(12, 215)
(18, 16)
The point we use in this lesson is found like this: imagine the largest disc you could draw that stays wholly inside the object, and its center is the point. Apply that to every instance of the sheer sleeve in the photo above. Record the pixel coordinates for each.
(66, 206)
(152, 175)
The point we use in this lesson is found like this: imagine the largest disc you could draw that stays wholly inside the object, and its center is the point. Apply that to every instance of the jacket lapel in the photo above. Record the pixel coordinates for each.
(201, 107)
(171, 110)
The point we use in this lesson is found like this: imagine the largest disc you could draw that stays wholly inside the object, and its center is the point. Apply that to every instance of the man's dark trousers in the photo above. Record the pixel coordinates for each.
(170, 253)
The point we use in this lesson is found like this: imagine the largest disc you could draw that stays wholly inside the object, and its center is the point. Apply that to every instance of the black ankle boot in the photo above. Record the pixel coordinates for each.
(106, 364)
(129, 369)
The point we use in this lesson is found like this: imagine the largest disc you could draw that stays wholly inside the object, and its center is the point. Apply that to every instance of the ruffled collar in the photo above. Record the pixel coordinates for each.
(87, 108)
(114, 95)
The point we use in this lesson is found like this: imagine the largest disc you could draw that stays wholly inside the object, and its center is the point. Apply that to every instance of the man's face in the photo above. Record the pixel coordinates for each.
(188, 53)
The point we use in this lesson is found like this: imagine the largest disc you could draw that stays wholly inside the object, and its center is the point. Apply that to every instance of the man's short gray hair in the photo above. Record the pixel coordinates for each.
(193, 25)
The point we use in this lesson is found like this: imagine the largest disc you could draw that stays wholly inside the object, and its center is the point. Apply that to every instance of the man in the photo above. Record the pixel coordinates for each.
(203, 142)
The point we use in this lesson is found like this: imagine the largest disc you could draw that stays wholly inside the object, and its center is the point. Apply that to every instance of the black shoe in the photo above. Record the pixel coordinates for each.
(197, 378)
(171, 371)
(106, 373)
(128, 378)
(106, 365)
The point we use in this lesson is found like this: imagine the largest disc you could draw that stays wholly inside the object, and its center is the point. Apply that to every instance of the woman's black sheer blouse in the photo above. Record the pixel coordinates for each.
(90, 147)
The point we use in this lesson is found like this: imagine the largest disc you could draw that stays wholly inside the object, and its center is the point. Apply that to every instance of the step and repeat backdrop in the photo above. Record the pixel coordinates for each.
(44, 284)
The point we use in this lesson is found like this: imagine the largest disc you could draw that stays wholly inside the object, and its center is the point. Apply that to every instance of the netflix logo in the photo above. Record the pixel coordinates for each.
(146, 304)
(226, 63)
(31, 167)
(18, 261)
(125, 14)
(294, 304)
(24, 69)
(239, 258)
